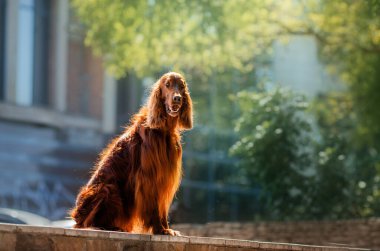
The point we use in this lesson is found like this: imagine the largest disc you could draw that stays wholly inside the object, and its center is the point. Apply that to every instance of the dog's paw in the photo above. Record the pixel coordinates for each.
(171, 232)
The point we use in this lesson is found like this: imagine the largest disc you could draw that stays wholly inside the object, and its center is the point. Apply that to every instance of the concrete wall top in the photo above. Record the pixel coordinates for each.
(22, 237)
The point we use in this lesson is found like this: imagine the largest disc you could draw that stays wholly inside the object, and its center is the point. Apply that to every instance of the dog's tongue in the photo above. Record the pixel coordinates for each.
(175, 108)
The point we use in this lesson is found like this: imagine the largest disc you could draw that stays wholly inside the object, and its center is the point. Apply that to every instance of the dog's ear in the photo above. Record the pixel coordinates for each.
(186, 115)
(156, 108)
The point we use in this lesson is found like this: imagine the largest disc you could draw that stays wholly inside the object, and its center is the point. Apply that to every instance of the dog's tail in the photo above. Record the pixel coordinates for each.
(95, 206)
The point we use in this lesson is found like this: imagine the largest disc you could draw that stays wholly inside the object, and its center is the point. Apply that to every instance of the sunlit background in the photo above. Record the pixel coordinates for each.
(286, 97)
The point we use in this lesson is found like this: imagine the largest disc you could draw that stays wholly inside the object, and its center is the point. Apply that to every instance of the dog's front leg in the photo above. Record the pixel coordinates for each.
(152, 219)
(167, 230)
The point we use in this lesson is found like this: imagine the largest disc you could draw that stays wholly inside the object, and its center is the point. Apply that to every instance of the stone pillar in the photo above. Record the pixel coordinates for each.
(11, 50)
(61, 54)
(109, 104)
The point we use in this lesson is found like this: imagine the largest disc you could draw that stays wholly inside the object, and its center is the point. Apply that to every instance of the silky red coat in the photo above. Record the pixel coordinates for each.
(139, 172)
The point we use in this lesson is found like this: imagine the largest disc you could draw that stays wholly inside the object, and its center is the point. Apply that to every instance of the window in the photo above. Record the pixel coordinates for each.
(2, 47)
(25, 52)
(41, 50)
(33, 50)
(130, 92)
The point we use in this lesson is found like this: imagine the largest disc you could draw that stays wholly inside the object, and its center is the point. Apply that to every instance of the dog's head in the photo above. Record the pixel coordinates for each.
(170, 97)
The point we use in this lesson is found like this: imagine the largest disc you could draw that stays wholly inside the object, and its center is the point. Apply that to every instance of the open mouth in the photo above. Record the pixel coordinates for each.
(173, 110)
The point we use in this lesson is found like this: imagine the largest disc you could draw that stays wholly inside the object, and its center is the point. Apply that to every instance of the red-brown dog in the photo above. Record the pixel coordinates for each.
(139, 172)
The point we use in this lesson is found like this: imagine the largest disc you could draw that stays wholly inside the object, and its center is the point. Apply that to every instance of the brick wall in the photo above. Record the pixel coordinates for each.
(85, 75)
(354, 233)
(84, 81)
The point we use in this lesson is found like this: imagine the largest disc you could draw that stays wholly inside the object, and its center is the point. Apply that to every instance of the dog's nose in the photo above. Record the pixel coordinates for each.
(177, 98)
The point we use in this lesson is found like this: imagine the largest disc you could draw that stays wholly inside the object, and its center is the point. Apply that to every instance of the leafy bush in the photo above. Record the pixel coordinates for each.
(348, 167)
(274, 148)
(306, 170)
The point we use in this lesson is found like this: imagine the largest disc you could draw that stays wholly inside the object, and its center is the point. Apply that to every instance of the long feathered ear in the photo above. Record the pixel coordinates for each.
(156, 108)
(186, 117)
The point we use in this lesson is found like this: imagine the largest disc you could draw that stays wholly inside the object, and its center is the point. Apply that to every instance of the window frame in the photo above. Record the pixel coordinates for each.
(41, 86)
(3, 5)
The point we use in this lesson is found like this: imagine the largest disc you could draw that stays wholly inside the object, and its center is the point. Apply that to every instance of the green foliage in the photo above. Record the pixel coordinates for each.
(348, 179)
(146, 35)
(204, 37)
(348, 33)
(274, 148)
(324, 173)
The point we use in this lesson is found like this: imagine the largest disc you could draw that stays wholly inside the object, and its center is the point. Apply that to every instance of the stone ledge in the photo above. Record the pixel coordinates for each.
(22, 237)
(47, 117)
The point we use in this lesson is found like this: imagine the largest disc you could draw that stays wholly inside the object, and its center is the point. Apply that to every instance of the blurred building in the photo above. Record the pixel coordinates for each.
(56, 106)
(295, 64)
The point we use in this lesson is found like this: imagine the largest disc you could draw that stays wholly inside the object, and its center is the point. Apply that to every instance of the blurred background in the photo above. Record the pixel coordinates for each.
(286, 97)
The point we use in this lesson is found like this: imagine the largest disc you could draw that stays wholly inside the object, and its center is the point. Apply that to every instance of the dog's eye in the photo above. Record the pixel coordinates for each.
(167, 84)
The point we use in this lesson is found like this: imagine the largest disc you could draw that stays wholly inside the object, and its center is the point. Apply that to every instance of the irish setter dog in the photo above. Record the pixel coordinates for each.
(139, 172)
